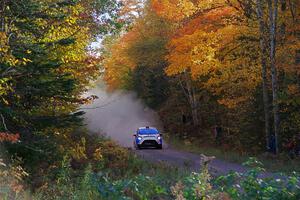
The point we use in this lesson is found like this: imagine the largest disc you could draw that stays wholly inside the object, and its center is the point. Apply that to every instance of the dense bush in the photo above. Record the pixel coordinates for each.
(251, 185)
(196, 186)
(110, 172)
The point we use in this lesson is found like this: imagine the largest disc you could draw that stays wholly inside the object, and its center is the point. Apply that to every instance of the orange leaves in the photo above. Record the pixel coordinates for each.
(196, 44)
(194, 53)
(174, 10)
(182, 10)
(207, 46)
(142, 45)
(118, 63)
(294, 89)
(7, 137)
(235, 81)
(211, 21)
(206, 43)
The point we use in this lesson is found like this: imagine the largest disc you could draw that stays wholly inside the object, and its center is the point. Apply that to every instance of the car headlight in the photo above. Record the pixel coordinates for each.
(139, 138)
(158, 137)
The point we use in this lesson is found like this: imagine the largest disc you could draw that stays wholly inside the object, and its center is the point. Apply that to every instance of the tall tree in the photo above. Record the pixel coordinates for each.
(263, 53)
(273, 20)
(45, 67)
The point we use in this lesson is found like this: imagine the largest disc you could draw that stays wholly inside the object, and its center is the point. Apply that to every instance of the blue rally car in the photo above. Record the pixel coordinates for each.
(147, 137)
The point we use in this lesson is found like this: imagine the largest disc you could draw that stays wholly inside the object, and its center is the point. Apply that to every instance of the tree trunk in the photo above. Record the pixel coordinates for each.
(273, 16)
(292, 7)
(194, 106)
(263, 49)
(2, 15)
(190, 93)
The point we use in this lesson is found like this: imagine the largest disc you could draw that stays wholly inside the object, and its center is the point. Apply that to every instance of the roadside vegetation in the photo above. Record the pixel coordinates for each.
(276, 164)
(234, 64)
(120, 174)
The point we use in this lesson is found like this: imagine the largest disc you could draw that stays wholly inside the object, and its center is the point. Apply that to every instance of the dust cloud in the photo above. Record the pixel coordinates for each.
(117, 115)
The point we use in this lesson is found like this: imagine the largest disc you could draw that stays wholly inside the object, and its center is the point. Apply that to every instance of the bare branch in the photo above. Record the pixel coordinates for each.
(3, 122)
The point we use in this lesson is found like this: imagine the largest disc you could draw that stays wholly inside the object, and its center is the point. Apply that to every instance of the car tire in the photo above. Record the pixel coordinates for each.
(159, 146)
(137, 147)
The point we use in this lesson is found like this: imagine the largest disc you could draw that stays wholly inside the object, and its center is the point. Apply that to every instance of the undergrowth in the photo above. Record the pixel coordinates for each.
(125, 176)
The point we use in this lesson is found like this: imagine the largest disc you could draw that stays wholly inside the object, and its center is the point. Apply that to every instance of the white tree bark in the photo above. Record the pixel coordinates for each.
(190, 93)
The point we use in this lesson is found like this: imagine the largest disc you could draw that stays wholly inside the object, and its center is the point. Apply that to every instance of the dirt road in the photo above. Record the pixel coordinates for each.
(119, 114)
(188, 160)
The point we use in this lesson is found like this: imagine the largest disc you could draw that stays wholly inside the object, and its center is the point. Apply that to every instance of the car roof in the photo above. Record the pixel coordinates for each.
(149, 130)
(147, 127)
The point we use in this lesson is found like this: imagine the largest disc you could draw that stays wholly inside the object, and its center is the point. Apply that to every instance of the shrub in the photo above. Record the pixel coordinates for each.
(251, 185)
(11, 180)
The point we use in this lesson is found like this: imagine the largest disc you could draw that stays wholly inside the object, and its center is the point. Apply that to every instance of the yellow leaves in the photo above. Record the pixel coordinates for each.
(78, 152)
(187, 8)
(207, 44)
(174, 10)
(237, 78)
(5, 52)
(3, 43)
(142, 45)
(71, 20)
(195, 53)
(70, 41)
(208, 48)
(118, 64)
(210, 4)
(180, 10)
(197, 43)
(97, 155)
(232, 102)
(5, 88)
(77, 9)
(25, 61)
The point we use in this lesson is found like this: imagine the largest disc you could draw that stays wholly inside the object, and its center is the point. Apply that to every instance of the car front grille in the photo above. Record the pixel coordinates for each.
(149, 143)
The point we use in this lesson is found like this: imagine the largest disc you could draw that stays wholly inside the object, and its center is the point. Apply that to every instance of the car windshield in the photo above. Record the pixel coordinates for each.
(148, 131)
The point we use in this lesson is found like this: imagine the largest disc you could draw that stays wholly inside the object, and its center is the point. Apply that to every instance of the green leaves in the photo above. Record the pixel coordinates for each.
(251, 185)
(45, 66)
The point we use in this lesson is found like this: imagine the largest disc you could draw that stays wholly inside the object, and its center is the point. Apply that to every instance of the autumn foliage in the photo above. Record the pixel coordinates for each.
(218, 60)
(7, 137)
(46, 64)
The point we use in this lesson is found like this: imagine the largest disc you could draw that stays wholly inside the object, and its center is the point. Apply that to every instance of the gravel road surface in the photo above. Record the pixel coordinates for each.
(119, 114)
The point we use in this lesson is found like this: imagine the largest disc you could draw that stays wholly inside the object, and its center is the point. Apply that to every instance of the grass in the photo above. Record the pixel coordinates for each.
(137, 165)
(281, 163)
(142, 180)
(135, 178)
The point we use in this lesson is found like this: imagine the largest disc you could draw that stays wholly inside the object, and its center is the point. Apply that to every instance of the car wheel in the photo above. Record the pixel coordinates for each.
(159, 146)
(137, 147)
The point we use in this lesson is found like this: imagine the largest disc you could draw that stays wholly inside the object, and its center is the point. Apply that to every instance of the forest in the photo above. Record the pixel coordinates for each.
(233, 64)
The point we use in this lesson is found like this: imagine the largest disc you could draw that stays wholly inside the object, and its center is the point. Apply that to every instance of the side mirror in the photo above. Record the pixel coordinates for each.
(134, 135)
(160, 134)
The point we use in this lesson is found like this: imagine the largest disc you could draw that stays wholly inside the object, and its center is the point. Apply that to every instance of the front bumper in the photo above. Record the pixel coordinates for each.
(149, 141)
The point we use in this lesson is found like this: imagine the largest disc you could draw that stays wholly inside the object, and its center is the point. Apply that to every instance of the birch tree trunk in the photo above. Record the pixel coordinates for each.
(263, 49)
(273, 17)
(190, 93)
